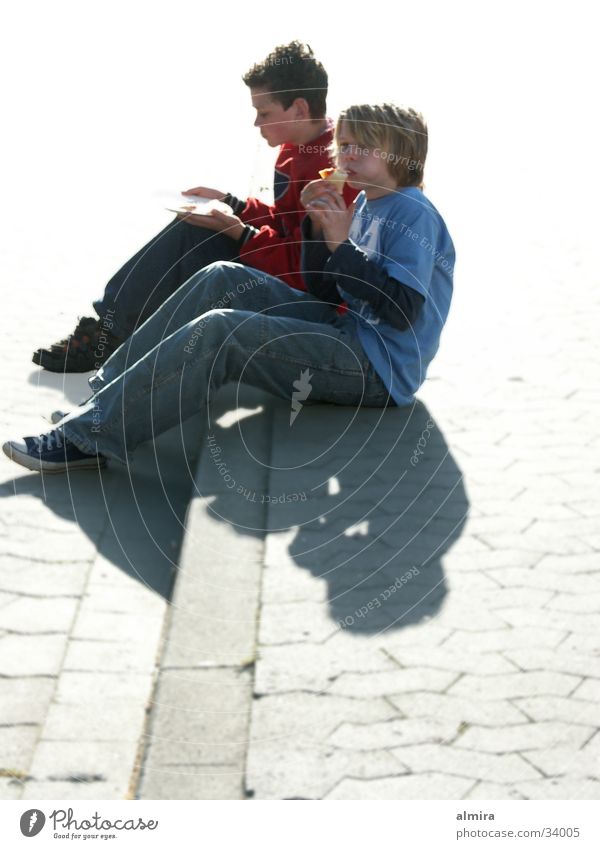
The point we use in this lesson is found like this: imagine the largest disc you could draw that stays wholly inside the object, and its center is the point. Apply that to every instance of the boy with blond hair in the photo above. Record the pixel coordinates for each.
(388, 256)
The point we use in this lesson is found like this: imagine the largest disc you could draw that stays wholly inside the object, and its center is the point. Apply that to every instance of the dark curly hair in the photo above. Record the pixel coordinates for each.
(292, 71)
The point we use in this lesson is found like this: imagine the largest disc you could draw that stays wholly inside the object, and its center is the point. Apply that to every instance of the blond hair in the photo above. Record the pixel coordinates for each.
(399, 134)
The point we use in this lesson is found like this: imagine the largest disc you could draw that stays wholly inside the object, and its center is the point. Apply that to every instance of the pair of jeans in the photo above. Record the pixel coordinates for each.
(147, 279)
(227, 323)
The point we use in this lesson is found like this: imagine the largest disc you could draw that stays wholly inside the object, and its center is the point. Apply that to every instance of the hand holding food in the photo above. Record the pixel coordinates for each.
(335, 177)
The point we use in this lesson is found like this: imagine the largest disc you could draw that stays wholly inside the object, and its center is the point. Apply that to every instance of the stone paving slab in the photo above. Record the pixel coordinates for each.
(196, 742)
(84, 592)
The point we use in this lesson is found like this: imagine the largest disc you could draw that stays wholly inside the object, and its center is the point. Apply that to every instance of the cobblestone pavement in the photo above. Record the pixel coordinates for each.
(86, 565)
(429, 620)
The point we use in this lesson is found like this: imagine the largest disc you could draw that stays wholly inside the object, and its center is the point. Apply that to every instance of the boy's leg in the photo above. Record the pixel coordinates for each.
(223, 285)
(147, 279)
(292, 358)
(135, 292)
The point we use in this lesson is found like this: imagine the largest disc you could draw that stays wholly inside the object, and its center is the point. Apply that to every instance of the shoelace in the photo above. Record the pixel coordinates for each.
(48, 441)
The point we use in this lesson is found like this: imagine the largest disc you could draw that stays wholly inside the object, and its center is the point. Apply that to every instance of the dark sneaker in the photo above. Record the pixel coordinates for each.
(51, 453)
(86, 349)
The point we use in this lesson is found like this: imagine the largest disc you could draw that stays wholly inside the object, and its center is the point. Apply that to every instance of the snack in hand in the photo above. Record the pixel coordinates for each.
(336, 177)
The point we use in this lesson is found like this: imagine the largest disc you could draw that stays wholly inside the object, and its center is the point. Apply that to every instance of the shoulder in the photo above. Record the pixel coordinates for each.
(414, 216)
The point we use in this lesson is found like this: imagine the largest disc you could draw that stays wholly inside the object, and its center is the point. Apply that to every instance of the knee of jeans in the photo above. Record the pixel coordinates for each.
(213, 327)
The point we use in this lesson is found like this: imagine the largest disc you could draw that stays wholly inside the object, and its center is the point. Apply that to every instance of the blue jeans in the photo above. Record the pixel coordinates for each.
(146, 280)
(226, 323)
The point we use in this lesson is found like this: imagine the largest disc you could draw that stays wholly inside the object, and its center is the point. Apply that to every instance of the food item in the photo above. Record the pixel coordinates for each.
(336, 177)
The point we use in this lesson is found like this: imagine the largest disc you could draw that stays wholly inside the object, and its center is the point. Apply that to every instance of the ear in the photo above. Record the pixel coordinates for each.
(302, 108)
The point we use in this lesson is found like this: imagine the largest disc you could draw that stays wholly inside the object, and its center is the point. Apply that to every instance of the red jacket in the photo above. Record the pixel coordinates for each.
(276, 248)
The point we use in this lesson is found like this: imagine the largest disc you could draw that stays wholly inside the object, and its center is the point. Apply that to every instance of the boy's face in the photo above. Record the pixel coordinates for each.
(366, 168)
(276, 124)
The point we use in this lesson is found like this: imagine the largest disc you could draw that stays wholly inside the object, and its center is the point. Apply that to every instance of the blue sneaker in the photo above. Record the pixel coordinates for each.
(51, 453)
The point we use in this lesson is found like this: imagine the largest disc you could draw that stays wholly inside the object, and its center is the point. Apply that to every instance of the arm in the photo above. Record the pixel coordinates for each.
(393, 301)
(390, 299)
(315, 255)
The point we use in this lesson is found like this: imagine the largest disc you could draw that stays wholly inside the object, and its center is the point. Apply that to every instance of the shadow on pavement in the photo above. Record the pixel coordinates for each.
(134, 517)
(375, 497)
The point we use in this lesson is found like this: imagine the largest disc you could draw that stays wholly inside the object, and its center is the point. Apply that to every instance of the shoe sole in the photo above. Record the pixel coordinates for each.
(50, 468)
(60, 366)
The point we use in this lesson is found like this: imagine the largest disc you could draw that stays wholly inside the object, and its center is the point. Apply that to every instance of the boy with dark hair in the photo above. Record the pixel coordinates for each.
(388, 255)
(288, 91)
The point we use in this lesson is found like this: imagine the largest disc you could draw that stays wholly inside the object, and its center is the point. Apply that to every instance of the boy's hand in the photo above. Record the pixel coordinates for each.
(222, 222)
(205, 192)
(330, 213)
(310, 194)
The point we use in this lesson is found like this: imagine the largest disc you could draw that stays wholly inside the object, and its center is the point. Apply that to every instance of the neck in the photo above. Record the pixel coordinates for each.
(311, 131)
(376, 192)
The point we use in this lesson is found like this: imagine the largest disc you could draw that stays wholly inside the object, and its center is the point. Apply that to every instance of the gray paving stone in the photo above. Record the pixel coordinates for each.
(490, 663)
(514, 685)
(116, 627)
(374, 684)
(584, 623)
(404, 787)
(465, 710)
(98, 719)
(307, 718)
(296, 622)
(580, 603)
(522, 738)
(10, 788)
(397, 732)
(491, 790)
(488, 560)
(504, 638)
(104, 766)
(75, 790)
(570, 709)
(134, 600)
(547, 579)
(306, 666)
(98, 655)
(569, 564)
(193, 782)
(22, 654)
(450, 760)
(86, 688)
(196, 743)
(203, 719)
(284, 771)
(25, 699)
(560, 789)
(425, 634)
(39, 615)
(567, 760)
(589, 689)
(543, 543)
(559, 660)
(17, 743)
(42, 579)
(461, 615)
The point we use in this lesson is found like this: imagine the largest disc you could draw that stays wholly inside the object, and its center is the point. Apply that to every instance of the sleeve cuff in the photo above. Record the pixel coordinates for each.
(249, 233)
(236, 204)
